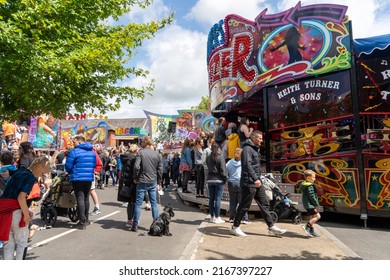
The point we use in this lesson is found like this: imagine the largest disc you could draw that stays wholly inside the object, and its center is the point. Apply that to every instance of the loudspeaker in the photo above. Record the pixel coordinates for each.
(171, 127)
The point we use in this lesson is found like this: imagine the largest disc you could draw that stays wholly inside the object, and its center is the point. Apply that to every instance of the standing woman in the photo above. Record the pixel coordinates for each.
(127, 181)
(198, 151)
(244, 131)
(186, 165)
(216, 180)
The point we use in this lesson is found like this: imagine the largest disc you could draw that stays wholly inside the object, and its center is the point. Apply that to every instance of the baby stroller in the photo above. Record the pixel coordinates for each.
(281, 206)
(59, 200)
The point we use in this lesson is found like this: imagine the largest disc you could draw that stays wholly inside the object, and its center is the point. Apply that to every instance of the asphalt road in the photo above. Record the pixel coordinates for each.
(107, 238)
(370, 243)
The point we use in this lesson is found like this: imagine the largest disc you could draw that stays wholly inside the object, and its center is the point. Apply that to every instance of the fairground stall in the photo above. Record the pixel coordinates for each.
(321, 99)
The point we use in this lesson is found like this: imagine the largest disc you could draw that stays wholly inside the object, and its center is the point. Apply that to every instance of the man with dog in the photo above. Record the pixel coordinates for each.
(251, 185)
(148, 171)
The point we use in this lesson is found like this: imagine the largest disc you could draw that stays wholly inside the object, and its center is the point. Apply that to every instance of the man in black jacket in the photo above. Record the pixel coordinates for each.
(148, 170)
(251, 185)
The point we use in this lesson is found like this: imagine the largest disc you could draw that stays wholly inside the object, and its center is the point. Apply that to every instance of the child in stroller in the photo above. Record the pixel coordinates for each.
(59, 199)
(281, 206)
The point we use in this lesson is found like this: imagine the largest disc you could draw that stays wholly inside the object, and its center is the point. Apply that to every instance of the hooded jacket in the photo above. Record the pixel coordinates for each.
(233, 168)
(232, 143)
(251, 164)
(309, 195)
(81, 162)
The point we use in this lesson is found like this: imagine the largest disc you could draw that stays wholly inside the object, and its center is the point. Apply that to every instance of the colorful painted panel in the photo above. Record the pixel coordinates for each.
(374, 77)
(245, 55)
(312, 141)
(97, 135)
(377, 183)
(43, 131)
(377, 133)
(319, 98)
(336, 180)
(188, 124)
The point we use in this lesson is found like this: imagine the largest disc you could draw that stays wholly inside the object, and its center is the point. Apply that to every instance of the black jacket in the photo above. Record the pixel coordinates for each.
(148, 167)
(250, 164)
(216, 169)
(127, 178)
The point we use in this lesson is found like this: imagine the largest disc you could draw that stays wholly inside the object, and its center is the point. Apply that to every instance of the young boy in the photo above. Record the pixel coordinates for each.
(310, 202)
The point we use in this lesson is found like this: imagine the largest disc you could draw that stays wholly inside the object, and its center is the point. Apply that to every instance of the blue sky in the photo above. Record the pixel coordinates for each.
(176, 57)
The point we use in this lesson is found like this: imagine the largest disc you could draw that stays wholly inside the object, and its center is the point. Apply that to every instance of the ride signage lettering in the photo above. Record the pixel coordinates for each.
(127, 130)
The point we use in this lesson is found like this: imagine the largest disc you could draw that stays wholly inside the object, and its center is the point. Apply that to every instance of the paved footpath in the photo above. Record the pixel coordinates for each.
(215, 242)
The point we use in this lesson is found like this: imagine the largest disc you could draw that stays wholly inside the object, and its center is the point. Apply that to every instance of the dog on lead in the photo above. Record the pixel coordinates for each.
(160, 226)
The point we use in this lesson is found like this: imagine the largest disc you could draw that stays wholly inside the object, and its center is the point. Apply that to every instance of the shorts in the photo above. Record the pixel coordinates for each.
(312, 211)
(93, 184)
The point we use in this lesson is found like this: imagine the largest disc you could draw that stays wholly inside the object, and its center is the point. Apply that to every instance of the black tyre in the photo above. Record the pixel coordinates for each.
(297, 219)
(50, 216)
(42, 211)
(72, 214)
(274, 216)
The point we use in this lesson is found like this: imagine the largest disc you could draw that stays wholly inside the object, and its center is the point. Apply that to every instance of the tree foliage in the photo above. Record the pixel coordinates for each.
(62, 54)
(204, 104)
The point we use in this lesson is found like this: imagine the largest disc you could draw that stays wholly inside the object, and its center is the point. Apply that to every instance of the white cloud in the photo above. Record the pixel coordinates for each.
(210, 12)
(366, 16)
(176, 58)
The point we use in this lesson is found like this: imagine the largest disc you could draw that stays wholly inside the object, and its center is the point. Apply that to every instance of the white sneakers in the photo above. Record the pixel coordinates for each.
(237, 231)
(276, 230)
(216, 220)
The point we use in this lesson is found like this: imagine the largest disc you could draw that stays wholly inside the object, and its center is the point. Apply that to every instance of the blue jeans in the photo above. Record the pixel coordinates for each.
(235, 193)
(140, 194)
(215, 197)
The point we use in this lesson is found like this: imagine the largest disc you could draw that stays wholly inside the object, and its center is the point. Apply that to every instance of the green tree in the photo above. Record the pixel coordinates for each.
(204, 104)
(56, 55)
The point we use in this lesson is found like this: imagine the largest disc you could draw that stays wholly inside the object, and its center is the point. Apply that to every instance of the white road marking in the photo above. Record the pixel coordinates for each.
(66, 233)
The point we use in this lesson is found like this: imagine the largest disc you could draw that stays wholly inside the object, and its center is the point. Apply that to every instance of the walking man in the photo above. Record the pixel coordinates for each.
(148, 170)
(80, 164)
(251, 185)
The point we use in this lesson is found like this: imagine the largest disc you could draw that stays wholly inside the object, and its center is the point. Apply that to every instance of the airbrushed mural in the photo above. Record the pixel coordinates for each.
(245, 55)
(97, 135)
(43, 131)
(173, 129)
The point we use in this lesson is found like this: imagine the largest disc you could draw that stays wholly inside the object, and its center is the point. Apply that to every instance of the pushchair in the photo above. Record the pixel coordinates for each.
(281, 206)
(59, 200)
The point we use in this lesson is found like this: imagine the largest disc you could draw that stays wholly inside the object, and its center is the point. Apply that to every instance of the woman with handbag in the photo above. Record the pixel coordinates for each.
(127, 186)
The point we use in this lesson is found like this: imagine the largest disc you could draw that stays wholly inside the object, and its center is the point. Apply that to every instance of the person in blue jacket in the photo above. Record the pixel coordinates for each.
(80, 164)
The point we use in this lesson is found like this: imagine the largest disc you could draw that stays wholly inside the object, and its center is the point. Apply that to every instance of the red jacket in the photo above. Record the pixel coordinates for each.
(7, 207)
(99, 164)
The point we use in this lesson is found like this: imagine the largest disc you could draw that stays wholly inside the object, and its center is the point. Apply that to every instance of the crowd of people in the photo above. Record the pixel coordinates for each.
(228, 158)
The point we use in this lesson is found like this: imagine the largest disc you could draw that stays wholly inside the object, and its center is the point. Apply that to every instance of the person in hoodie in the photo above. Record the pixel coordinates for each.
(310, 202)
(80, 164)
(233, 143)
(233, 168)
